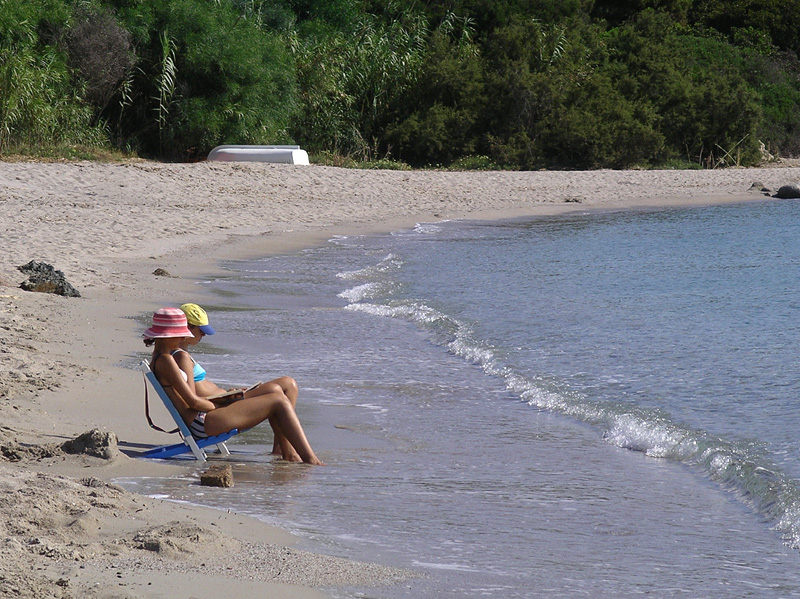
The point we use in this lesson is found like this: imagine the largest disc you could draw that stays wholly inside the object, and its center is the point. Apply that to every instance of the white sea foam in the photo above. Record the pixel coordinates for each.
(387, 264)
(643, 433)
(360, 292)
(427, 228)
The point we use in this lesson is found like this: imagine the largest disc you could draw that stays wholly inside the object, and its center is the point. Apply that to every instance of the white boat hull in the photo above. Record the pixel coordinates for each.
(276, 154)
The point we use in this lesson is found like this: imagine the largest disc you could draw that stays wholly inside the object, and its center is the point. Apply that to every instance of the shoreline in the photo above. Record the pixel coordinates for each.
(66, 363)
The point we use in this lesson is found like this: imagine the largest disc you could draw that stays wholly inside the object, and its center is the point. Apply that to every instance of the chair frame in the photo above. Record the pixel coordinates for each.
(189, 443)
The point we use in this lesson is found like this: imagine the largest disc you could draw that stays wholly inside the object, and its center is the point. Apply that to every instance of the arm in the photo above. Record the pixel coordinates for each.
(169, 374)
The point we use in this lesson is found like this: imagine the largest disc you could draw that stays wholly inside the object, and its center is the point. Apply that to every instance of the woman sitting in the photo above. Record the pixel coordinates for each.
(200, 327)
(209, 416)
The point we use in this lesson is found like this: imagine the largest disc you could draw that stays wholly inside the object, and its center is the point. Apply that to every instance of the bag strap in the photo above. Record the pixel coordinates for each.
(147, 411)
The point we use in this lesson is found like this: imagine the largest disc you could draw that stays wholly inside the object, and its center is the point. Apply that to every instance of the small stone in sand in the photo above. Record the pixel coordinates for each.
(218, 475)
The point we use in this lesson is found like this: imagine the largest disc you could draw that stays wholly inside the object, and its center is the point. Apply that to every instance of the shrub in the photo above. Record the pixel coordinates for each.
(707, 111)
(39, 105)
(349, 79)
(595, 126)
(776, 80)
(100, 53)
(439, 118)
(537, 78)
(769, 21)
(717, 120)
(328, 158)
(205, 77)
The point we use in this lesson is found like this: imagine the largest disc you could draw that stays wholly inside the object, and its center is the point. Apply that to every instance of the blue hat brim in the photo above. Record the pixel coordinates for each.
(206, 328)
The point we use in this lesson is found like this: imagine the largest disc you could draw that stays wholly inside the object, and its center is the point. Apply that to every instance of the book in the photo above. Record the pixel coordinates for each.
(231, 395)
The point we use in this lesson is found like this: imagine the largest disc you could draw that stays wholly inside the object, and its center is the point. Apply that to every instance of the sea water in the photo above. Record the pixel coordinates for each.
(600, 404)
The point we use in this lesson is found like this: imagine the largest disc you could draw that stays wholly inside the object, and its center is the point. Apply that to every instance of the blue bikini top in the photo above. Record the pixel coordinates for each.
(198, 372)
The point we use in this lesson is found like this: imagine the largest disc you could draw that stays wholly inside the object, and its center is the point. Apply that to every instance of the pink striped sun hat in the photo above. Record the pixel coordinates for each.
(168, 322)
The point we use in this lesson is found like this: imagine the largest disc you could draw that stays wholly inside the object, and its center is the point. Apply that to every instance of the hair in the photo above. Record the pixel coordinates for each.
(148, 342)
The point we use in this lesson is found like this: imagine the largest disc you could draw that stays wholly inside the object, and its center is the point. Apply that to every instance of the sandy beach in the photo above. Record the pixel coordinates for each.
(67, 363)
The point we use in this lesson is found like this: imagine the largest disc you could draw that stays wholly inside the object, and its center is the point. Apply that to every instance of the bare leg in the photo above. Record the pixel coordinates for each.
(253, 410)
(288, 386)
(284, 447)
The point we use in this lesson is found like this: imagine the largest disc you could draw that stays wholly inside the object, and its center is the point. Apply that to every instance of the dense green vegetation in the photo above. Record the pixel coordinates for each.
(466, 83)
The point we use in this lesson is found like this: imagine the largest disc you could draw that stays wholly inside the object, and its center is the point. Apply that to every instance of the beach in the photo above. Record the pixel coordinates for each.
(67, 531)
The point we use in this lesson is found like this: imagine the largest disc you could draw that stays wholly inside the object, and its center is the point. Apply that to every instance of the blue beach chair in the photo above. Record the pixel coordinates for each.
(189, 443)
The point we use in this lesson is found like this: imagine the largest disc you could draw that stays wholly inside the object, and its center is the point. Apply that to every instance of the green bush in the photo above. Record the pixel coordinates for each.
(328, 158)
(767, 22)
(350, 77)
(438, 120)
(707, 112)
(595, 126)
(676, 164)
(39, 105)
(205, 77)
(270, 15)
(535, 76)
(776, 80)
(469, 83)
(719, 117)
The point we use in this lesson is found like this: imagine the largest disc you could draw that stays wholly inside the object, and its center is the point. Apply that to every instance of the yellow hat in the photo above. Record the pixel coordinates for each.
(196, 316)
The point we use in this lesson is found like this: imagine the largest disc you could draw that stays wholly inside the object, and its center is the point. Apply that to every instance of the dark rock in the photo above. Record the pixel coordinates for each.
(43, 278)
(788, 191)
(218, 475)
(160, 272)
(94, 443)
